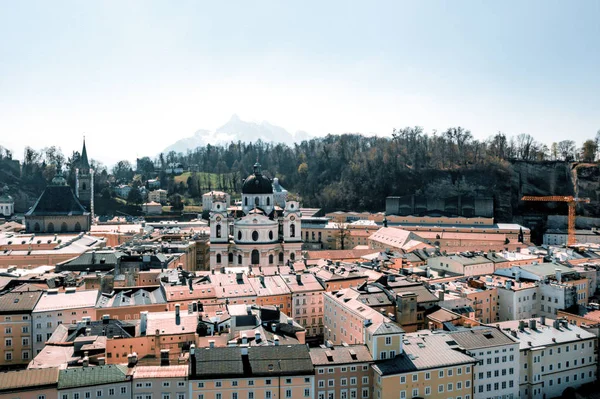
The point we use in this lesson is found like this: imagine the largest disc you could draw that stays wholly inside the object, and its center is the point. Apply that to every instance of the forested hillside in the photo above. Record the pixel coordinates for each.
(355, 172)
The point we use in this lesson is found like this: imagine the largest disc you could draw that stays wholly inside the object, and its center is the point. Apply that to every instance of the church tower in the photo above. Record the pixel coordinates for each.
(84, 180)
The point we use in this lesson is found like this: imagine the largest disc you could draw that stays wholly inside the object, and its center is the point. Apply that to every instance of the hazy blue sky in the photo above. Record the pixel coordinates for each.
(137, 75)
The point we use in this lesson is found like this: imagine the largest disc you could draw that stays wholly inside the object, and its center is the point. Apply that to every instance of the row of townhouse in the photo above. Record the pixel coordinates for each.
(537, 358)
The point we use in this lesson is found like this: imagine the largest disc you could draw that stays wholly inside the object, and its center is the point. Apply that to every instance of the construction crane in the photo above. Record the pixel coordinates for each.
(571, 202)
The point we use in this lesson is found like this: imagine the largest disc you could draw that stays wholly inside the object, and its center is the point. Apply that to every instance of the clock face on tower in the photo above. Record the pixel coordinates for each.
(218, 219)
(292, 218)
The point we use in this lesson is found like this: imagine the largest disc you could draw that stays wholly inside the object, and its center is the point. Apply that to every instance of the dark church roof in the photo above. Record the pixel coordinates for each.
(257, 183)
(57, 200)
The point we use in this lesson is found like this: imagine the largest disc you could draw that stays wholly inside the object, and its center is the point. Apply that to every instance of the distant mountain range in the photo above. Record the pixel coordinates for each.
(238, 130)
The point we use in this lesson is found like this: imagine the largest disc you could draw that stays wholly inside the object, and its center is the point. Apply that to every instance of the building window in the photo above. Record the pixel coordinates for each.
(388, 340)
(218, 258)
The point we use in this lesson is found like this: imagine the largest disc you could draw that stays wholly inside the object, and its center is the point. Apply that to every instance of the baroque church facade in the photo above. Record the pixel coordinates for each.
(257, 233)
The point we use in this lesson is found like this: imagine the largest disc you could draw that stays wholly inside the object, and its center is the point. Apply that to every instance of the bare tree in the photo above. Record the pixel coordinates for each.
(342, 233)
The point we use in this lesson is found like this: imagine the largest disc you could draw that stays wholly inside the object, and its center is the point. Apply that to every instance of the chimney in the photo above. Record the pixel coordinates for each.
(211, 343)
(558, 275)
(101, 361)
(86, 361)
(164, 357)
(441, 295)
(249, 309)
(244, 339)
(222, 270)
(193, 359)
(521, 325)
(290, 321)
(88, 332)
(132, 359)
(274, 326)
(244, 351)
(513, 333)
(143, 322)
(105, 318)
(532, 323)
(543, 320)
(177, 315)
(257, 336)
(276, 340)
(518, 276)
(428, 272)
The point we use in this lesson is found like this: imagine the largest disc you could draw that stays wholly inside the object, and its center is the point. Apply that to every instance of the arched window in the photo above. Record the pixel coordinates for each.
(292, 256)
(50, 228)
(246, 201)
(268, 201)
(36, 227)
(255, 235)
(271, 259)
(77, 227)
(256, 202)
(230, 257)
(255, 257)
(281, 257)
(64, 228)
(218, 258)
(239, 259)
(218, 231)
(292, 230)
(270, 234)
(239, 235)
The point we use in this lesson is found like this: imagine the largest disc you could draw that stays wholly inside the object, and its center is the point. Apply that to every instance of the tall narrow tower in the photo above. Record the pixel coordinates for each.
(84, 182)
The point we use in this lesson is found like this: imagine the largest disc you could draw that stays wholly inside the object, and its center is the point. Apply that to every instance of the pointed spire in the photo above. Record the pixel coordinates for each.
(84, 163)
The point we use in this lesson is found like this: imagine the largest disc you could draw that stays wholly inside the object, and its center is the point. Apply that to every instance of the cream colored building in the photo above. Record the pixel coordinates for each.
(343, 371)
(426, 367)
(260, 372)
(159, 196)
(553, 356)
(307, 301)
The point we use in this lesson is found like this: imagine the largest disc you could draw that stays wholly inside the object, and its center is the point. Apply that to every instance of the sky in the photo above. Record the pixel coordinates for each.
(135, 76)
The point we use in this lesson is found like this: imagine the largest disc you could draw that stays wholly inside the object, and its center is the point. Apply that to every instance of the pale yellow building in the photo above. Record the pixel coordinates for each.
(427, 367)
(258, 372)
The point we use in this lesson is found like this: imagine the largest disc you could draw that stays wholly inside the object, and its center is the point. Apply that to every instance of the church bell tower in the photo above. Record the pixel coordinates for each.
(84, 180)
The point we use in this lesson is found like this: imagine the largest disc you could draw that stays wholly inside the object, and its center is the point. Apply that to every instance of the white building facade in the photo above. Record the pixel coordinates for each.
(259, 234)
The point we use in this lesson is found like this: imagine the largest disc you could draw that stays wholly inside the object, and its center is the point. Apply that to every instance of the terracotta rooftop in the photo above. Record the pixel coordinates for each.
(14, 380)
(176, 371)
(340, 354)
(19, 302)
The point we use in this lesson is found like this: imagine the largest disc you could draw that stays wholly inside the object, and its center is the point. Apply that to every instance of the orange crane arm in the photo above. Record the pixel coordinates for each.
(571, 201)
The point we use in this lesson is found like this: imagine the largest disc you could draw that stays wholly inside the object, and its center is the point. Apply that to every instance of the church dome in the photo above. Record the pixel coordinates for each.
(256, 183)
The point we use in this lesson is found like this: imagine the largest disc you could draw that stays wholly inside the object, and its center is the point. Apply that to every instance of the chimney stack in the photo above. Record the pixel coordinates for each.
(86, 361)
(244, 339)
(543, 320)
(164, 357)
(532, 323)
(244, 351)
(257, 336)
(101, 361)
(143, 322)
(276, 340)
(211, 343)
(193, 358)
(558, 275)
